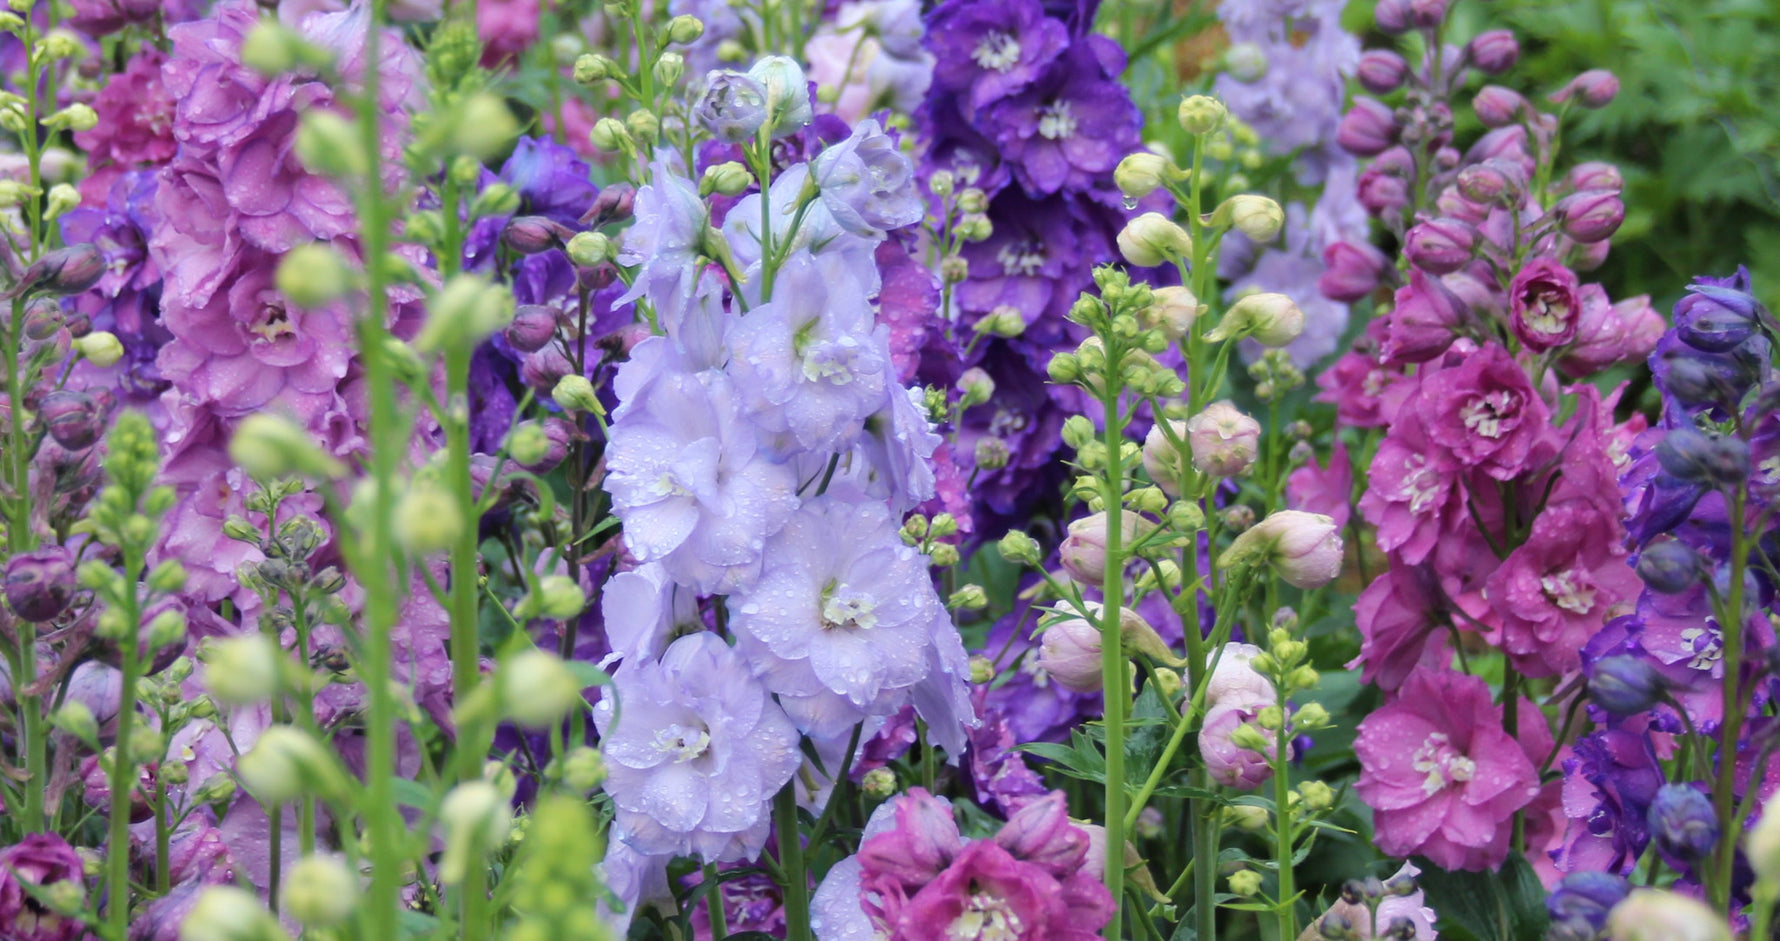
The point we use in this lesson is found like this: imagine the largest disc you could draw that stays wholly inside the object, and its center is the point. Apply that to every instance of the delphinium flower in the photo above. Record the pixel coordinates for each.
(47, 864)
(869, 55)
(918, 877)
(696, 752)
(1026, 114)
(135, 126)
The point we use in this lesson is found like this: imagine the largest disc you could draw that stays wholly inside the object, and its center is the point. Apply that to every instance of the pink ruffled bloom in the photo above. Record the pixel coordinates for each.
(1316, 488)
(1484, 412)
(135, 125)
(1555, 591)
(1442, 776)
(1401, 623)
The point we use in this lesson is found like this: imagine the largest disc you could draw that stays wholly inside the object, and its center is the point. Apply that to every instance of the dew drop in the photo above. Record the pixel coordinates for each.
(1130, 204)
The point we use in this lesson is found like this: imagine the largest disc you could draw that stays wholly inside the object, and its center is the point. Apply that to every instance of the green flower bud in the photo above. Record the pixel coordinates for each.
(1310, 717)
(973, 200)
(226, 913)
(243, 669)
(584, 768)
(167, 628)
(537, 689)
(575, 393)
(427, 520)
(1201, 114)
(271, 48)
(219, 788)
(591, 249)
(684, 29)
(1316, 795)
(975, 227)
(466, 311)
(528, 443)
(1245, 882)
(610, 134)
(1141, 174)
(76, 718)
(1257, 217)
(878, 783)
(328, 144)
(1064, 369)
(1247, 817)
(313, 274)
(1078, 431)
(593, 69)
(102, 348)
(941, 183)
(76, 117)
(729, 178)
(1249, 737)
(287, 763)
(1272, 319)
(62, 198)
(559, 598)
(320, 891)
(982, 670)
(484, 126)
(476, 819)
(669, 68)
(1018, 548)
(643, 125)
(268, 446)
(497, 199)
(969, 597)
(1151, 239)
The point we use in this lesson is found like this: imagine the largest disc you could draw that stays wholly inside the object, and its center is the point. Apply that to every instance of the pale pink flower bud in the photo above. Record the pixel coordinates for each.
(1304, 548)
(1069, 652)
(1229, 763)
(1083, 552)
(1223, 440)
(1161, 459)
(1234, 681)
(1661, 915)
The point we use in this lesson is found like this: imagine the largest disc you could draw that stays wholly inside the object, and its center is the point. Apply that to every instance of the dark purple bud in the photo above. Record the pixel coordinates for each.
(1381, 71)
(1447, 157)
(62, 272)
(43, 318)
(40, 583)
(1351, 271)
(1683, 823)
(1694, 456)
(1382, 193)
(614, 204)
(1497, 106)
(1440, 246)
(543, 369)
(529, 235)
(1587, 897)
(559, 434)
(532, 328)
(1427, 14)
(1392, 16)
(1591, 215)
(1493, 52)
(1595, 175)
(733, 107)
(73, 418)
(1595, 88)
(1671, 567)
(1368, 128)
(1717, 314)
(78, 323)
(1625, 686)
(1697, 378)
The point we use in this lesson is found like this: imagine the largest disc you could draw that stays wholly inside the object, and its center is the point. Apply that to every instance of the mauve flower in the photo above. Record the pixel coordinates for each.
(507, 28)
(690, 481)
(988, 51)
(1071, 126)
(999, 775)
(1413, 494)
(697, 753)
(1326, 489)
(1555, 590)
(1484, 412)
(1230, 764)
(671, 221)
(1609, 333)
(99, 18)
(1351, 271)
(41, 860)
(842, 609)
(1543, 304)
(867, 183)
(1402, 622)
(1426, 319)
(135, 124)
(1366, 393)
(1443, 778)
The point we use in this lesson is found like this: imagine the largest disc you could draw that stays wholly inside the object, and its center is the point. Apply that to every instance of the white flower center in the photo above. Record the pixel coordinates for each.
(1768, 471)
(1442, 763)
(997, 51)
(1021, 258)
(1571, 590)
(1483, 414)
(1546, 317)
(1056, 121)
(985, 918)
(667, 485)
(682, 743)
(1706, 644)
(832, 361)
(844, 608)
(1421, 483)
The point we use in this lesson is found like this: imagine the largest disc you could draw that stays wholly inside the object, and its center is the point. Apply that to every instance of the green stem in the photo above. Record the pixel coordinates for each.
(1112, 655)
(465, 643)
(123, 765)
(1284, 832)
(797, 886)
(714, 902)
(1731, 624)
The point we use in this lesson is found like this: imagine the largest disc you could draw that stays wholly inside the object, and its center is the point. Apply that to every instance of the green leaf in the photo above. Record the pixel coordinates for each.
(1506, 905)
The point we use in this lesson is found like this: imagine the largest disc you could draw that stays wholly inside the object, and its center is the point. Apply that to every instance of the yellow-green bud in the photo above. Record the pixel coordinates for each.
(584, 768)
(941, 183)
(1018, 548)
(685, 28)
(76, 718)
(1245, 882)
(1763, 845)
(497, 199)
(592, 69)
(1249, 737)
(610, 134)
(643, 125)
(982, 669)
(466, 311)
(1141, 174)
(969, 597)
(559, 598)
(528, 443)
(1247, 817)
(427, 520)
(328, 144)
(288, 763)
(1201, 114)
(313, 274)
(242, 669)
(62, 198)
(1317, 796)
(729, 178)
(476, 819)
(575, 393)
(975, 227)
(226, 913)
(75, 117)
(1310, 717)
(878, 783)
(669, 68)
(1272, 319)
(269, 446)
(973, 200)
(320, 891)
(591, 249)
(484, 126)
(102, 348)
(537, 689)
(1151, 239)
(1257, 217)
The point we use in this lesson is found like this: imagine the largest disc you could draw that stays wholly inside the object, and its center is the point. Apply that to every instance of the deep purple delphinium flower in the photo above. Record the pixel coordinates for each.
(41, 860)
(1071, 126)
(987, 51)
(696, 754)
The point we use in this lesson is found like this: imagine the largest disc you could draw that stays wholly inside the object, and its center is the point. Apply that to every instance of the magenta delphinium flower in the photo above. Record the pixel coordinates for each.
(696, 751)
(1556, 589)
(40, 860)
(1485, 413)
(1366, 393)
(1543, 305)
(838, 622)
(1413, 495)
(1401, 620)
(135, 126)
(1441, 775)
(691, 483)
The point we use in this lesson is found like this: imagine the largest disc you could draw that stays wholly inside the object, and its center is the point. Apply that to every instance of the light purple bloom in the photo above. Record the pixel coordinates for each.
(867, 184)
(696, 748)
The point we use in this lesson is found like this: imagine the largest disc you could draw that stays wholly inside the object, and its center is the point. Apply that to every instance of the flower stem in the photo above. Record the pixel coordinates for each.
(1112, 655)
(797, 886)
(1284, 832)
(122, 772)
(1730, 622)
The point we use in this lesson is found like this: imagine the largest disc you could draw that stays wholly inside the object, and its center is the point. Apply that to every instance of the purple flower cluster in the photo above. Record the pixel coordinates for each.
(764, 450)
(1027, 109)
